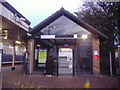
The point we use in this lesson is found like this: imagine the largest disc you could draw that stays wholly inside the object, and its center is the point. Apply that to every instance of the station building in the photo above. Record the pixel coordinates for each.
(13, 33)
(66, 44)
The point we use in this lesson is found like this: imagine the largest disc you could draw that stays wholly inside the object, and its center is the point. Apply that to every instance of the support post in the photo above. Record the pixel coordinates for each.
(119, 57)
(112, 51)
(13, 58)
(1, 55)
(1, 46)
(30, 55)
(110, 64)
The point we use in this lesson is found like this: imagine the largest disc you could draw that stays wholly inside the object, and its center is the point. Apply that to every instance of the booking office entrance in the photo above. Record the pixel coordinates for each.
(65, 61)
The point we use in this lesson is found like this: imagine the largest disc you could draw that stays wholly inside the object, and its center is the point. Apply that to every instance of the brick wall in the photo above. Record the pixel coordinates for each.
(96, 61)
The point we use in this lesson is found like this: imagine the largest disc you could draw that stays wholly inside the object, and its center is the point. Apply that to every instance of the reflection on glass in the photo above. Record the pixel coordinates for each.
(84, 64)
(85, 56)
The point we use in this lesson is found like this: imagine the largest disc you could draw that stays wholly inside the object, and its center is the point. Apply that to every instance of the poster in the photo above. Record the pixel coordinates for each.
(42, 55)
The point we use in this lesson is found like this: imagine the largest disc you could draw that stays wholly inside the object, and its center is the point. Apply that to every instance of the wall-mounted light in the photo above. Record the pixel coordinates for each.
(5, 33)
(38, 45)
(18, 42)
(84, 36)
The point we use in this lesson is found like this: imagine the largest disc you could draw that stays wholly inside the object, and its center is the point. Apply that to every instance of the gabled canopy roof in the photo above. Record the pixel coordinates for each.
(63, 12)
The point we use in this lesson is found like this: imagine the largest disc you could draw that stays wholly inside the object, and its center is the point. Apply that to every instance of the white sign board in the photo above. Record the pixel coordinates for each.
(47, 36)
(96, 53)
(75, 35)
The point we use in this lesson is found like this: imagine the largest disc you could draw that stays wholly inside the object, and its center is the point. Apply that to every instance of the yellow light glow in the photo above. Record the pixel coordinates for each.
(18, 42)
(84, 36)
(5, 37)
(38, 45)
(5, 34)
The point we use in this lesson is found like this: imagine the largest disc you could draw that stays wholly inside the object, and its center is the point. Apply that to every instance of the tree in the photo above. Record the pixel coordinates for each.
(104, 16)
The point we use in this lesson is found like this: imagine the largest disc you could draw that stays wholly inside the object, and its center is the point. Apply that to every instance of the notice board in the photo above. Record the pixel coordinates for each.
(42, 55)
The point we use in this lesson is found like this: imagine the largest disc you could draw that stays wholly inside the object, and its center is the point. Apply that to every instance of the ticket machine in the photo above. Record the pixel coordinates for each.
(65, 61)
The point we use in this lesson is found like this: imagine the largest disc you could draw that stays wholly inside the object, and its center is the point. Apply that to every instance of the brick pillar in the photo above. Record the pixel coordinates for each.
(96, 61)
(30, 55)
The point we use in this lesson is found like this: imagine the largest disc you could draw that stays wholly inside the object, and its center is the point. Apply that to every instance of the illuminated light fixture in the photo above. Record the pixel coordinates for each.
(38, 45)
(18, 42)
(5, 38)
(84, 36)
(66, 44)
(23, 43)
(0, 28)
(24, 49)
(5, 34)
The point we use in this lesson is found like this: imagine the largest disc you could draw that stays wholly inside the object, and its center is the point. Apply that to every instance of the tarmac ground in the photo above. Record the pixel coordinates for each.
(16, 79)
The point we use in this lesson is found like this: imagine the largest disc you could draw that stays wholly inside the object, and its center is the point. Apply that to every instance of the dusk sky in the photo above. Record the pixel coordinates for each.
(36, 12)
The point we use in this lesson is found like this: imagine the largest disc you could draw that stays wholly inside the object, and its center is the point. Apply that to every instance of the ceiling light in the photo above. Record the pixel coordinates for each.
(38, 45)
(18, 42)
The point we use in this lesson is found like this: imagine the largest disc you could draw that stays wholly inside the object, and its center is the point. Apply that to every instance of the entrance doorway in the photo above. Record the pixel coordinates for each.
(65, 61)
(84, 54)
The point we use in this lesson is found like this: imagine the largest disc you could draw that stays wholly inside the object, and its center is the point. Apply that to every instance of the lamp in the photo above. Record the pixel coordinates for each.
(18, 42)
(84, 36)
(38, 45)
(0, 28)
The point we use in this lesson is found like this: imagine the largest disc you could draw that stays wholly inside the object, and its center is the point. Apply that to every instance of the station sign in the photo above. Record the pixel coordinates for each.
(57, 36)
(47, 36)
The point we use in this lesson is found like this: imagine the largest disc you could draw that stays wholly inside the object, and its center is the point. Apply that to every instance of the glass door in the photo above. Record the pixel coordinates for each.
(84, 58)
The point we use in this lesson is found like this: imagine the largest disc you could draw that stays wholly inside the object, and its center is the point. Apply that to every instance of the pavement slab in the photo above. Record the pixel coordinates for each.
(16, 79)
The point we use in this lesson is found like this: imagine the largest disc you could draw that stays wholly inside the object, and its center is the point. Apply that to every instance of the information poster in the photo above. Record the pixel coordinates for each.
(42, 55)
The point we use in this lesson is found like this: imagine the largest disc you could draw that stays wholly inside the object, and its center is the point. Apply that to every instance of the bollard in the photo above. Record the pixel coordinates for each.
(87, 83)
